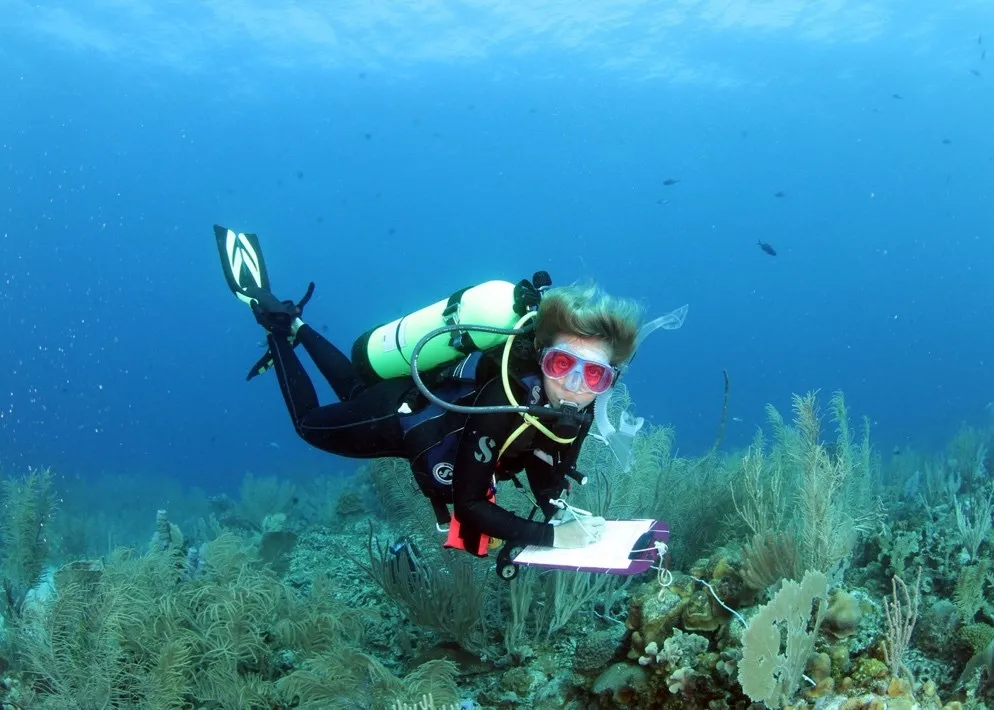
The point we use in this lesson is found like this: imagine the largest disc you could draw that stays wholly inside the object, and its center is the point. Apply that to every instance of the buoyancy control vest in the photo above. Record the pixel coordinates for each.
(431, 433)
(432, 436)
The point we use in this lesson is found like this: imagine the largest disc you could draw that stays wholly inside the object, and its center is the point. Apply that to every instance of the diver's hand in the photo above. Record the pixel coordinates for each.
(579, 533)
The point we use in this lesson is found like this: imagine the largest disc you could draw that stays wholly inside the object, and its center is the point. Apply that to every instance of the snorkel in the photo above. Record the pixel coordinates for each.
(621, 439)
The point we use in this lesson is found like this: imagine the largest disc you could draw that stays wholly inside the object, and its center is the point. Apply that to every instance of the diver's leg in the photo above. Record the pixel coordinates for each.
(282, 318)
(331, 362)
(295, 384)
(366, 426)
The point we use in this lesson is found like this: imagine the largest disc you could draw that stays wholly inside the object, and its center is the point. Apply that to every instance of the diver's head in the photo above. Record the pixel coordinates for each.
(582, 336)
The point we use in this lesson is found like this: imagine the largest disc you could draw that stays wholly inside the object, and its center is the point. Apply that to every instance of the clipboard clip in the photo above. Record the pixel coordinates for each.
(506, 569)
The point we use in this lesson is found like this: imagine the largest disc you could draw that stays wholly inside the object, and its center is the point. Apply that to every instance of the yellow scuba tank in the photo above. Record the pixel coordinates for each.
(384, 352)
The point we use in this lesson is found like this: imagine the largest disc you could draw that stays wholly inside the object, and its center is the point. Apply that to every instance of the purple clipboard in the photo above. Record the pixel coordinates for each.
(627, 547)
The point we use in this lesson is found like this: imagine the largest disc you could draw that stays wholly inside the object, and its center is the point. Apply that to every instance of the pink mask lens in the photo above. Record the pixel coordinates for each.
(597, 377)
(558, 363)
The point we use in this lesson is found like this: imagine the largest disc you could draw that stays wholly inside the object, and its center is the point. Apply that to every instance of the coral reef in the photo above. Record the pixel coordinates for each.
(805, 572)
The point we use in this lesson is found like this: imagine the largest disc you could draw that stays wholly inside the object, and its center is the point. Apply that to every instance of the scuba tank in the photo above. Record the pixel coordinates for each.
(388, 350)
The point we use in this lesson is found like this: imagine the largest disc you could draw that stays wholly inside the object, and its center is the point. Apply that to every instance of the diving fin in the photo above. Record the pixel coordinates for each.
(242, 263)
(266, 361)
(245, 271)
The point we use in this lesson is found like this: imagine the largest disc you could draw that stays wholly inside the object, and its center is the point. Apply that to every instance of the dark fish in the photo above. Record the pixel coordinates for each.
(780, 193)
(670, 181)
(975, 72)
(946, 141)
(767, 248)
(896, 96)
(983, 55)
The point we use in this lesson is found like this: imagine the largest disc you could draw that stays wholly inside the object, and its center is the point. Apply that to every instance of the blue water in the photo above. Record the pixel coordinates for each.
(393, 158)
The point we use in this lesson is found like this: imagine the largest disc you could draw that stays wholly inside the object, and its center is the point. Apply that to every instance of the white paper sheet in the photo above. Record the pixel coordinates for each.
(610, 552)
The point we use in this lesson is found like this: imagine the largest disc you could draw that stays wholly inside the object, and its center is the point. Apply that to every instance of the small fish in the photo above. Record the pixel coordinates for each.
(670, 181)
(767, 248)
(661, 201)
(274, 444)
(780, 193)
(946, 141)
(896, 96)
(736, 419)
(975, 72)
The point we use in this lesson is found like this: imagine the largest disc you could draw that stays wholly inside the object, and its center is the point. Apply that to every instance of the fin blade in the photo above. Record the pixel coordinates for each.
(242, 262)
(259, 368)
(264, 363)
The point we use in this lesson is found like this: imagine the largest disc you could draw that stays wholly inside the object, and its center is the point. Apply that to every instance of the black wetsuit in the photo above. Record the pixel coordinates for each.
(366, 424)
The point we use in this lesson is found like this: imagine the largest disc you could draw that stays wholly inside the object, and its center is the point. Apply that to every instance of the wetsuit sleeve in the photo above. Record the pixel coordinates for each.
(567, 466)
(546, 484)
(548, 481)
(476, 461)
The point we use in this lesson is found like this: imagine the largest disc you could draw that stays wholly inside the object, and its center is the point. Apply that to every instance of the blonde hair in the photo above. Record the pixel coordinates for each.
(588, 312)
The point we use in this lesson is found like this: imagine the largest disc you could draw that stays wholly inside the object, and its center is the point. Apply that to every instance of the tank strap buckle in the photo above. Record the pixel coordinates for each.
(458, 339)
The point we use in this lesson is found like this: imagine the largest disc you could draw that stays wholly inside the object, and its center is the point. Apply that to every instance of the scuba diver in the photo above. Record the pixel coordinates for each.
(443, 388)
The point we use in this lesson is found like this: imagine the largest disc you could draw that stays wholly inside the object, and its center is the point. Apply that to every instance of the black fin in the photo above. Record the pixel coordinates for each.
(242, 263)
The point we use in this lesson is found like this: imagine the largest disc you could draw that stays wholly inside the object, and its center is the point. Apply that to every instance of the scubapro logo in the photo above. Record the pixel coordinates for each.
(536, 394)
(485, 449)
(443, 473)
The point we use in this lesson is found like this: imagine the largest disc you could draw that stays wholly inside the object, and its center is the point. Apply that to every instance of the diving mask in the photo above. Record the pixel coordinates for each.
(577, 374)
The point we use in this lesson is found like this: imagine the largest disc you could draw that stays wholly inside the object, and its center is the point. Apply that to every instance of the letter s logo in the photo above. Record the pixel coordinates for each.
(485, 449)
